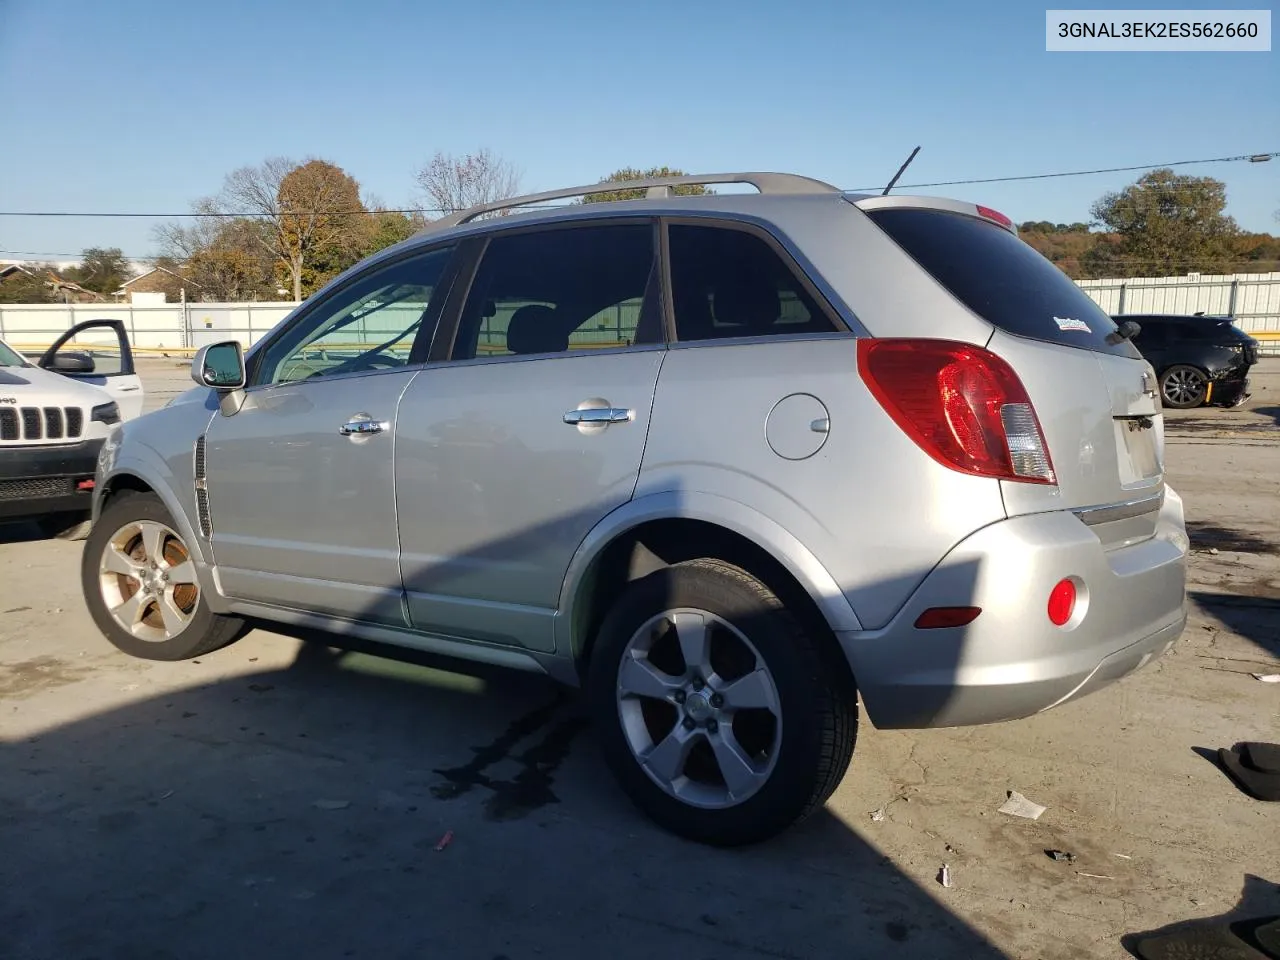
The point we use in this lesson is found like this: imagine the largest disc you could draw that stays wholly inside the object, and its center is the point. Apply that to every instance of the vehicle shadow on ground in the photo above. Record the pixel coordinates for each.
(1255, 618)
(1269, 411)
(299, 812)
(1205, 535)
(305, 811)
(1257, 900)
(19, 531)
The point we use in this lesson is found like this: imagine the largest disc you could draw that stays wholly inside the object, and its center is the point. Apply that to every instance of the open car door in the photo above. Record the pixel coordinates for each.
(98, 352)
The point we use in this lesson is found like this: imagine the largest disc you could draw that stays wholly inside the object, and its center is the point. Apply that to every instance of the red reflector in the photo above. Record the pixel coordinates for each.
(84, 485)
(995, 215)
(961, 404)
(936, 617)
(1062, 602)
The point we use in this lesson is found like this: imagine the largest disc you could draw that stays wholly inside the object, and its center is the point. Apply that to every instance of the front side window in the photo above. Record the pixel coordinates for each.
(371, 324)
(562, 290)
(731, 283)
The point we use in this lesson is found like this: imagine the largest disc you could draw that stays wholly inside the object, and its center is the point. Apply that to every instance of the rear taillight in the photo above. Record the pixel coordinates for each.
(963, 405)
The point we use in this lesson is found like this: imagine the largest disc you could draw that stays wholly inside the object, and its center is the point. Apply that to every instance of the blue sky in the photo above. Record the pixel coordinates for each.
(145, 106)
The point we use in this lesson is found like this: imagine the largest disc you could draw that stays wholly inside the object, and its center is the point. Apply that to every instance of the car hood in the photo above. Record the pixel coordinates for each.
(33, 386)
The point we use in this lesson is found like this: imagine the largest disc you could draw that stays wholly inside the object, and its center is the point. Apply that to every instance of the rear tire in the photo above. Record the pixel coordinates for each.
(64, 526)
(716, 710)
(1183, 386)
(140, 584)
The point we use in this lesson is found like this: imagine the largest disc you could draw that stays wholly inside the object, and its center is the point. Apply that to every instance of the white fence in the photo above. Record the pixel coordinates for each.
(1253, 299)
(171, 326)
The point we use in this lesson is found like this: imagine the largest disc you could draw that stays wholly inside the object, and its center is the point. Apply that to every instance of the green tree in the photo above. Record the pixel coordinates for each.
(1256, 253)
(385, 228)
(631, 173)
(1164, 224)
(101, 270)
(1065, 245)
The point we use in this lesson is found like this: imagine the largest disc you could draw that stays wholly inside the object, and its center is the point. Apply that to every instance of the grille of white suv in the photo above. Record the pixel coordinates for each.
(41, 423)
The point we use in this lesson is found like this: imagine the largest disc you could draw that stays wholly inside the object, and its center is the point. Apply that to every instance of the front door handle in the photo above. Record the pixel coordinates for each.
(599, 415)
(361, 427)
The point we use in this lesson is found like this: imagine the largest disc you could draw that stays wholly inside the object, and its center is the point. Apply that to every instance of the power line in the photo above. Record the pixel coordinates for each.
(212, 214)
(1251, 157)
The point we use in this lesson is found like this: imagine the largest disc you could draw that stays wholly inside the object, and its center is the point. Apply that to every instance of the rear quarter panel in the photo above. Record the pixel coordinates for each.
(870, 506)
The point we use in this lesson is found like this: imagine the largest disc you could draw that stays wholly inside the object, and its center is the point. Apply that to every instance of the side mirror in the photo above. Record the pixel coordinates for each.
(220, 366)
(72, 363)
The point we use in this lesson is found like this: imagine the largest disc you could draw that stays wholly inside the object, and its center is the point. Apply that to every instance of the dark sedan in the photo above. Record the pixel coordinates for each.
(1198, 359)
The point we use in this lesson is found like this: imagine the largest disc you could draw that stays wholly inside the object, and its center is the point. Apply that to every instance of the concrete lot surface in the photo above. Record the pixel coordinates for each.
(279, 800)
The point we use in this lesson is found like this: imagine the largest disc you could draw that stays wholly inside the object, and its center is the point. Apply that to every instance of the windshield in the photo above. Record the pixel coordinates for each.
(10, 357)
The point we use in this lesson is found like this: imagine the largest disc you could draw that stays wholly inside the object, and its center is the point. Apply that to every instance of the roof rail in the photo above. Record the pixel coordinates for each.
(655, 186)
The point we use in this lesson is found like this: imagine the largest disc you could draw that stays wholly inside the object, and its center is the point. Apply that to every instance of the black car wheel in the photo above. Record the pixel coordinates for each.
(1183, 387)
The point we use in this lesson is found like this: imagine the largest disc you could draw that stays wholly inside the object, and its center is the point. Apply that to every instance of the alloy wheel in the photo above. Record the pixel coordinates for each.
(699, 708)
(148, 581)
(1183, 386)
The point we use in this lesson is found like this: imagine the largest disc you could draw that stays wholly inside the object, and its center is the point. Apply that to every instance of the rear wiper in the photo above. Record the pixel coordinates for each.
(1124, 331)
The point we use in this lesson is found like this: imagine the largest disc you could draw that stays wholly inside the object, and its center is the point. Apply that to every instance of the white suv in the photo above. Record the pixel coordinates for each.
(54, 416)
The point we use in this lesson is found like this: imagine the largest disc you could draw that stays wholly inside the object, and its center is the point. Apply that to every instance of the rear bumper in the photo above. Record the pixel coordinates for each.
(37, 481)
(1011, 661)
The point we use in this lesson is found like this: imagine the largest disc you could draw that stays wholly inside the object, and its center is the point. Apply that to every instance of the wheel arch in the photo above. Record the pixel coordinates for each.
(1200, 368)
(138, 476)
(663, 529)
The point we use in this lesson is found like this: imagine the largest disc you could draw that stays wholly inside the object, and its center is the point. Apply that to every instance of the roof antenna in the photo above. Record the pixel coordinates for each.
(900, 170)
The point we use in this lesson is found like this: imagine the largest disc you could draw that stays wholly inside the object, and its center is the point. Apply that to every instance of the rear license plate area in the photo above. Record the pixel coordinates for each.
(1138, 450)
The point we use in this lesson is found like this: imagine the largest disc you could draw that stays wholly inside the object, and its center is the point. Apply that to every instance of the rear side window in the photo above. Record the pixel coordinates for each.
(576, 288)
(1001, 278)
(731, 283)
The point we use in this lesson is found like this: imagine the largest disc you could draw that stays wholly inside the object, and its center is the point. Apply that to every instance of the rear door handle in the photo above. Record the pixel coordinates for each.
(600, 415)
(363, 427)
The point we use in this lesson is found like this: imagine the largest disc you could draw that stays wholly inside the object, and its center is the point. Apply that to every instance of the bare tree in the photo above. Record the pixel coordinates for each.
(450, 183)
(229, 258)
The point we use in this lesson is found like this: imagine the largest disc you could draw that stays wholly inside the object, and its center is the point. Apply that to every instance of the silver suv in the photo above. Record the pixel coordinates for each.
(729, 462)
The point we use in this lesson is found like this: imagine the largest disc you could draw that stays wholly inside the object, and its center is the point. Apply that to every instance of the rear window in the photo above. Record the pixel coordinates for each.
(1001, 278)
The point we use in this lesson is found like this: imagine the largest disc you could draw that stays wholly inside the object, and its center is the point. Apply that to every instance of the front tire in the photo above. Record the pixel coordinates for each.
(1183, 387)
(716, 710)
(141, 588)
